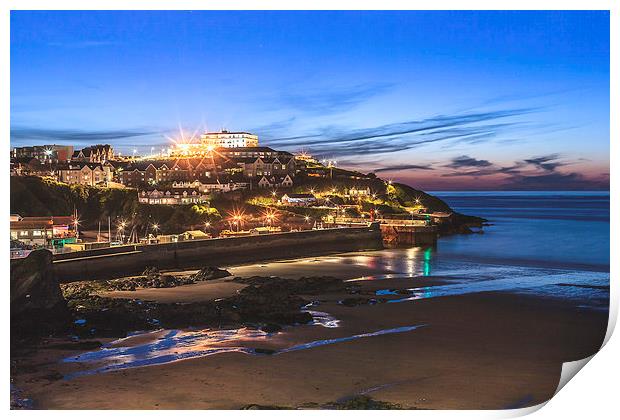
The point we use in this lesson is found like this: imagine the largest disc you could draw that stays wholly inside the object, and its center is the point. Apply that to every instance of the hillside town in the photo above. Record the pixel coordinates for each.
(240, 188)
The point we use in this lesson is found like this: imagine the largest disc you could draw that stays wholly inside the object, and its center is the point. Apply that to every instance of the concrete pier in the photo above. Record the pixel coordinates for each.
(394, 231)
(409, 235)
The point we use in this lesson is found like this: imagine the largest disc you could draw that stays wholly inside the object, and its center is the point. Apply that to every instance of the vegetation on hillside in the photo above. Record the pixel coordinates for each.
(34, 196)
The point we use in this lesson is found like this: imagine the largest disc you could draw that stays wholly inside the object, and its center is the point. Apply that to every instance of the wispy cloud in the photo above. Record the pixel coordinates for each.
(396, 168)
(547, 163)
(475, 127)
(467, 162)
(21, 134)
(538, 173)
(331, 100)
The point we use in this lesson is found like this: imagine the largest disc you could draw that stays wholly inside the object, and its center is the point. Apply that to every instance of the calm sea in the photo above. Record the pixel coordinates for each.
(562, 229)
(550, 243)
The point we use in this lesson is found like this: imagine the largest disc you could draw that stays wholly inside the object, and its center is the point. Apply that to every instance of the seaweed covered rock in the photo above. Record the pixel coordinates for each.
(37, 303)
(210, 273)
(307, 285)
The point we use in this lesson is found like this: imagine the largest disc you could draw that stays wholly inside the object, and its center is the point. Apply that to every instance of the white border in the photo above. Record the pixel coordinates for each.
(593, 394)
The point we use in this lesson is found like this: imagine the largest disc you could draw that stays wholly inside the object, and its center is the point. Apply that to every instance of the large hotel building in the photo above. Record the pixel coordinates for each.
(229, 140)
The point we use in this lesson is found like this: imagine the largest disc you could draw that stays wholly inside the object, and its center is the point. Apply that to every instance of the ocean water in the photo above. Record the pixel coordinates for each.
(562, 229)
(551, 244)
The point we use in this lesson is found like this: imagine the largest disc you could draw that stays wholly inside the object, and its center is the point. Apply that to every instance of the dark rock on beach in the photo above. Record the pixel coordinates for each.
(362, 402)
(268, 302)
(37, 303)
(356, 301)
(210, 273)
(271, 328)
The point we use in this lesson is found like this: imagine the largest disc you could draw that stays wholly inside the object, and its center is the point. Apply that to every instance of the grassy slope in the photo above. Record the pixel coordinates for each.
(32, 196)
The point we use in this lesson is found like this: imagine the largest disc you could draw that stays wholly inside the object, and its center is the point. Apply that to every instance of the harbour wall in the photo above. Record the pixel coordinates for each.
(133, 259)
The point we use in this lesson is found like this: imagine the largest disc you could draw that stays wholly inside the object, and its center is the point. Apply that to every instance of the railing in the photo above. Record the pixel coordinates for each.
(361, 220)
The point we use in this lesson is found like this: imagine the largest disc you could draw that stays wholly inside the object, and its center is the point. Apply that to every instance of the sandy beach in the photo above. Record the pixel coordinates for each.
(488, 350)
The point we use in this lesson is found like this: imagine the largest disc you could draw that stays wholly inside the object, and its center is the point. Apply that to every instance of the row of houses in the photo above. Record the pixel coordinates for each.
(262, 167)
(267, 166)
(212, 187)
(156, 172)
(197, 192)
(61, 153)
(251, 163)
(98, 153)
(172, 196)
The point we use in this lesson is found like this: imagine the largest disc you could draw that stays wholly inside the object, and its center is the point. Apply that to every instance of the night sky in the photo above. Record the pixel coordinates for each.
(440, 100)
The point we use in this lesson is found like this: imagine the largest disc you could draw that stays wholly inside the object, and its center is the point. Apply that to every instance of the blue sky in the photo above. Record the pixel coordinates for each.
(440, 100)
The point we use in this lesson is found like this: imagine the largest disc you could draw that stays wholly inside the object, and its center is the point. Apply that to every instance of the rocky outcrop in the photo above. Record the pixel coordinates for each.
(210, 273)
(37, 304)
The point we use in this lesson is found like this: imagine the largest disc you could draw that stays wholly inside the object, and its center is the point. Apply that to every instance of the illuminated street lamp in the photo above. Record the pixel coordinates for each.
(120, 230)
(237, 221)
(76, 224)
(155, 228)
(207, 226)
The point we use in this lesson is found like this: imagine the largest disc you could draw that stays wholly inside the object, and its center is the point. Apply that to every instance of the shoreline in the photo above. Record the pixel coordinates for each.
(506, 346)
(473, 343)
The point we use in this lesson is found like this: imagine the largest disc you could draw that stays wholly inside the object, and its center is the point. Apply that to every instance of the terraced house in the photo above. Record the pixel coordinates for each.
(267, 166)
(97, 153)
(172, 196)
(85, 173)
(156, 172)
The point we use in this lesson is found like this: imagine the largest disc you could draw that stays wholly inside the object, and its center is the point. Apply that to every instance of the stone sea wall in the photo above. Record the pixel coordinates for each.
(130, 260)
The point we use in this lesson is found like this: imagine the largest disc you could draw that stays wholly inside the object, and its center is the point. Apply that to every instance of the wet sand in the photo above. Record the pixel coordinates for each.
(475, 351)
(198, 292)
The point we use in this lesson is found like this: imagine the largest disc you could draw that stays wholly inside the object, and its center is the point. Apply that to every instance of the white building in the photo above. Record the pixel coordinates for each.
(358, 192)
(172, 196)
(229, 139)
(298, 199)
(211, 187)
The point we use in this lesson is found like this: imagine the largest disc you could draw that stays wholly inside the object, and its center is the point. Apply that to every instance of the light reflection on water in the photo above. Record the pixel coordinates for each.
(170, 346)
(596, 296)
(175, 345)
(584, 288)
